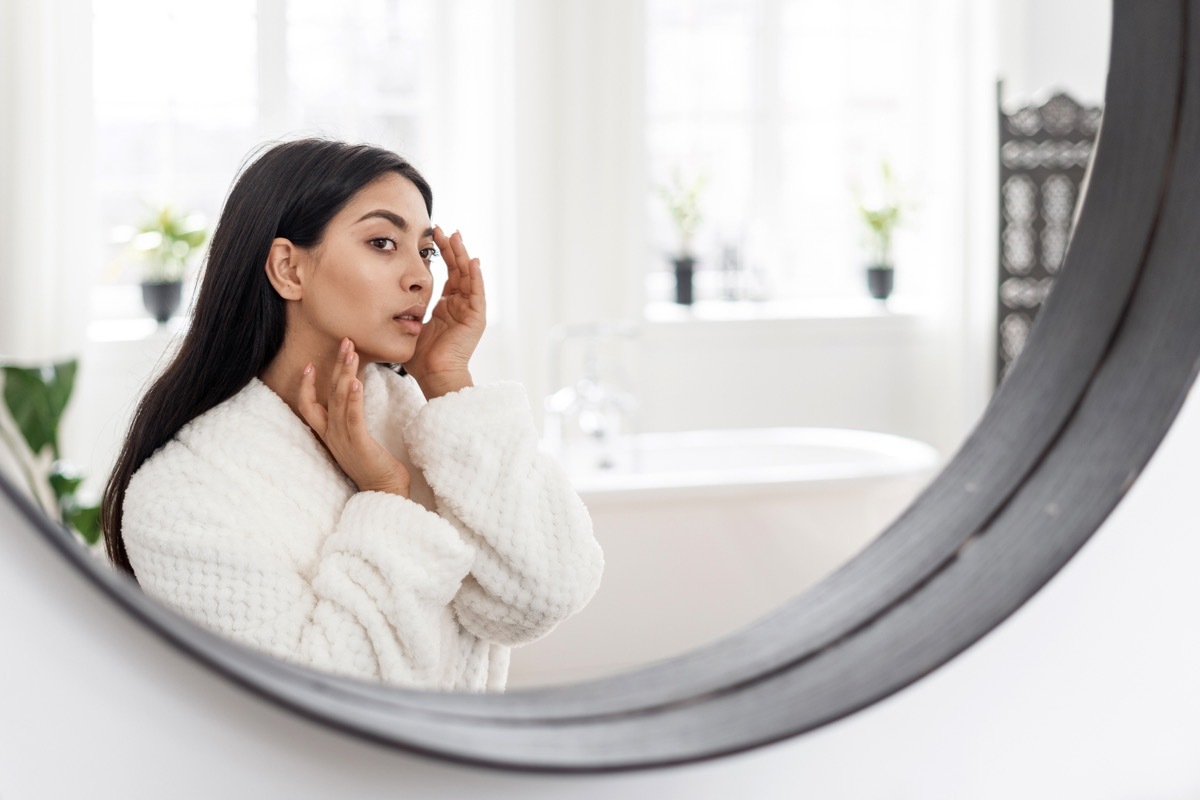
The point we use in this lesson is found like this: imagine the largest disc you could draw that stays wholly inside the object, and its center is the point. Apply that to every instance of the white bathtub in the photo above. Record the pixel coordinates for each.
(705, 531)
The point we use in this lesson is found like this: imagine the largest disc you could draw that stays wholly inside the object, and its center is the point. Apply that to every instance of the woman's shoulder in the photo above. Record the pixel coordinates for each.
(238, 435)
(248, 461)
(251, 415)
(183, 487)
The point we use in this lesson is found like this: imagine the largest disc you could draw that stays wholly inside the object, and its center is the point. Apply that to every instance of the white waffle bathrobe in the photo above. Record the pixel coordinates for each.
(244, 523)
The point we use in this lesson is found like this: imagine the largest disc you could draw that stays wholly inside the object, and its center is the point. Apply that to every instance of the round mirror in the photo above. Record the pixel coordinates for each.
(1013, 482)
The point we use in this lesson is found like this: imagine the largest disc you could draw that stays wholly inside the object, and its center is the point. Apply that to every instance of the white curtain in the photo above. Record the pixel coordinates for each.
(45, 177)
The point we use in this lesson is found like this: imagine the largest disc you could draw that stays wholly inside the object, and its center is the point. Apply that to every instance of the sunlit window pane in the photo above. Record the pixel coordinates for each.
(176, 93)
(821, 94)
(701, 58)
(360, 69)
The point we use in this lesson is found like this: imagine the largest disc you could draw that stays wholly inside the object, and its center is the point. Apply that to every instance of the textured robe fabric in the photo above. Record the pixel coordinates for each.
(245, 523)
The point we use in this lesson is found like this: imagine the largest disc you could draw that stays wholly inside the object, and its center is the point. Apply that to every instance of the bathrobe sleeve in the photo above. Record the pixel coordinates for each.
(536, 561)
(375, 604)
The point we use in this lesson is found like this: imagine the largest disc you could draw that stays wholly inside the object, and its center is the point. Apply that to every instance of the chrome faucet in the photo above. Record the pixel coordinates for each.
(587, 422)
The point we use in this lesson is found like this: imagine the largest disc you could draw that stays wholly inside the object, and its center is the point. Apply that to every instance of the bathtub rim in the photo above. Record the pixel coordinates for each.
(902, 457)
(1065, 426)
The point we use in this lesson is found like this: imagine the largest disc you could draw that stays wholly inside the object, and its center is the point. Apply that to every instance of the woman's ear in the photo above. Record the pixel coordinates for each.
(283, 269)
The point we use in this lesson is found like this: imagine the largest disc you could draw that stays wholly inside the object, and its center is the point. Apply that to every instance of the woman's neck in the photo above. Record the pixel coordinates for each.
(284, 373)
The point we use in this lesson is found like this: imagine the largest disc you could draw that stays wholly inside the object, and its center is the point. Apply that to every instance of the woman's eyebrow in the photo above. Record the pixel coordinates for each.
(382, 213)
(395, 219)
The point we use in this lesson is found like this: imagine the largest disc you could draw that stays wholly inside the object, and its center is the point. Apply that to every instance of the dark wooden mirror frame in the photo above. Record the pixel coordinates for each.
(1105, 371)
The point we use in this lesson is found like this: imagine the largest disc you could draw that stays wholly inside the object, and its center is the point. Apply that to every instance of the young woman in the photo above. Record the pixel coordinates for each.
(286, 483)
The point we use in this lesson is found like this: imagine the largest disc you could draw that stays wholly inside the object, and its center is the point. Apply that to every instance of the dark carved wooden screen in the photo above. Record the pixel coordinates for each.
(1044, 152)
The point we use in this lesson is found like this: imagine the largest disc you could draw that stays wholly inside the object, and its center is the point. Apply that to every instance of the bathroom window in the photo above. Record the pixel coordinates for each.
(184, 91)
(175, 104)
(787, 108)
(363, 67)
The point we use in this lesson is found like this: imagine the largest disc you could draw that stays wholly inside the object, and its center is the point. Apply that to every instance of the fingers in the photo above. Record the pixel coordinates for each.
(312, 411)
(478, 300)
(449, 258)
(461, 269)
(341, 425)
(345, 431)
(462, 262)
(355, 424)
(345, 377)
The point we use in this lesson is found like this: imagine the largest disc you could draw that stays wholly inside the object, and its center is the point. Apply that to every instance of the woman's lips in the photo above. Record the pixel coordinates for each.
(409, 324)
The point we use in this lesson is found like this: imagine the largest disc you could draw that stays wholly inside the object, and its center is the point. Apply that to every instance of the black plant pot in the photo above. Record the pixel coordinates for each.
(880, 281)
(162, 298)
(685, 268)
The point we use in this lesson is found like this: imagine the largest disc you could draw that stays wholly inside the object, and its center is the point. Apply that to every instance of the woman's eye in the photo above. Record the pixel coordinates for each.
(429, 253)
(383, 243)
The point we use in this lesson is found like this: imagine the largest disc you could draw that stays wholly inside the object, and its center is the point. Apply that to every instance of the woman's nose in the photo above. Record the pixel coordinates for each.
(417, 276)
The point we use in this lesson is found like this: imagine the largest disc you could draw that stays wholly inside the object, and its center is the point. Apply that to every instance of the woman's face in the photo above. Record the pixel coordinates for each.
(369, 278)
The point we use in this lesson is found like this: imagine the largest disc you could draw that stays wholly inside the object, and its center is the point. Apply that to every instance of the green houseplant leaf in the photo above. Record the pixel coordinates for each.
(64, 483)
(682, 199)
(36, 397)
(166, 242)
(881, 217)
(83, 518)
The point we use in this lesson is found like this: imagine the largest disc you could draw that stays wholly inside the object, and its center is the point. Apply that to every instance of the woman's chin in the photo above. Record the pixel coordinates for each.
(387, 355)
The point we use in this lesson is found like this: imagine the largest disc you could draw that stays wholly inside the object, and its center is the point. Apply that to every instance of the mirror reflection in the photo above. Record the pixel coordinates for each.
(743, 257)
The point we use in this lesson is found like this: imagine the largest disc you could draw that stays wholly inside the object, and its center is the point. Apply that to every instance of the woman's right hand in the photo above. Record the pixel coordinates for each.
(342, 426)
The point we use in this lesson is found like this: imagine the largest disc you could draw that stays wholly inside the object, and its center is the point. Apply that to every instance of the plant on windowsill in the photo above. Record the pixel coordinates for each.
(880, 219)
(166, 243)
(682, 199)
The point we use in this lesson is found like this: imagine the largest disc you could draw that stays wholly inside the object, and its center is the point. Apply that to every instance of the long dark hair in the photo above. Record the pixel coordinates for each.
(291, 191)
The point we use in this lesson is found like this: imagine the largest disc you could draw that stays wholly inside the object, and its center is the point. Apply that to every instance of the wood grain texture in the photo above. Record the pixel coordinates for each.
(1106, 369)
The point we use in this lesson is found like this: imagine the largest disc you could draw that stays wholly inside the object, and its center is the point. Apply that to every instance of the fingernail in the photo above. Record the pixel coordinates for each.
(307, 368)
(356, 387)
(345, 345)
(349, 357)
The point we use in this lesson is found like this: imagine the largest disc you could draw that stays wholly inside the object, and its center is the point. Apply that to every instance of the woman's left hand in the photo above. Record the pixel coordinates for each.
(448, 339)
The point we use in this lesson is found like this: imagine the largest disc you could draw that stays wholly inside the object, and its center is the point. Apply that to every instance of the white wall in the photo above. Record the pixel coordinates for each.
(1057, 45)
(859, 372)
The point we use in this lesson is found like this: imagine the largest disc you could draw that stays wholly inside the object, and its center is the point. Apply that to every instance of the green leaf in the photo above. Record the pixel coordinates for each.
(64, 484)
(28, 401)
(36, 398)
(84, 519)
(60, 388)
(682, 199)
(193, 238)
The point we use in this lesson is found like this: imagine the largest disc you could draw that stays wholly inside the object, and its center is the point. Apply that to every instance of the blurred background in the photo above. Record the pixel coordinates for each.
(551, 133)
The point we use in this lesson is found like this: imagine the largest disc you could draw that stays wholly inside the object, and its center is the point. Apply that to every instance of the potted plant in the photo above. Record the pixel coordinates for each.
(34, 399)
(166, 243)
(682, 199)
(880, 219)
